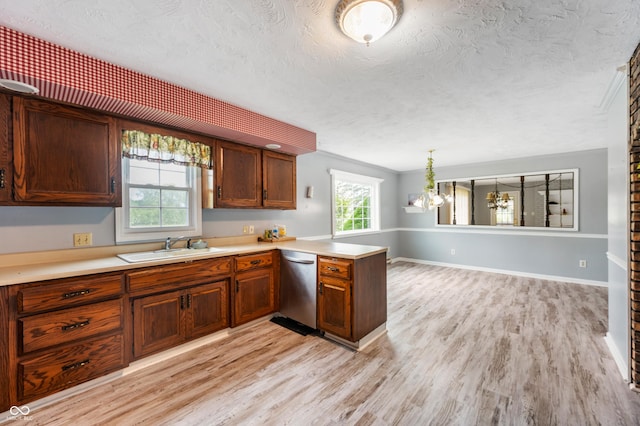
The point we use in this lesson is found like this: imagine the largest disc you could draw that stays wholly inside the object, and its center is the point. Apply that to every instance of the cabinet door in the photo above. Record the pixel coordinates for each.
(6, 167)
(254, 295)
(158, 322)
(279, 180)
(334, 306)
(208, 308)
(64, 155)
(238, 176)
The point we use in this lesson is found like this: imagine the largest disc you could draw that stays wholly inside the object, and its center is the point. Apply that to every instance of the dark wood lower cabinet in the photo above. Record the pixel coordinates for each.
(334, 306)
(157, 323)
(168, 319)
(61, 333)
(352, 295)
(254, 295)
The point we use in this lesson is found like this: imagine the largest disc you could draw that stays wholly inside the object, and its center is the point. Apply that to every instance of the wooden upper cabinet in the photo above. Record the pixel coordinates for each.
(249, 177)
(238, 178)
(6, 168)
(64, 155)
(279, 180)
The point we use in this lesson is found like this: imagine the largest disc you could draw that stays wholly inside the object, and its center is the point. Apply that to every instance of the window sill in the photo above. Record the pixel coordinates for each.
(355, 234)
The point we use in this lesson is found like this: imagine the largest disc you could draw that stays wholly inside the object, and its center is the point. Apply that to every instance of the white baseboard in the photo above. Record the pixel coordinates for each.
(620, 360)
(505, 271)
(362, 343)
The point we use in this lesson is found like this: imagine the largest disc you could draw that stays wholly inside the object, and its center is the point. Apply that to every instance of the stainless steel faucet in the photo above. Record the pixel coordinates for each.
(171, 241)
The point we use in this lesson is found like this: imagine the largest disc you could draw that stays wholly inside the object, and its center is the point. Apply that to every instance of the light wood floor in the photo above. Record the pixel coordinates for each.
(463, 348)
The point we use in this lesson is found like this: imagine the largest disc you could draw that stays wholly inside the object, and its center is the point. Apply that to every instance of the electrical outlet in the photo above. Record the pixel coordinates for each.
(245, 229)
(582, 263)
(453, 252)
(83, 239)
(252, 229)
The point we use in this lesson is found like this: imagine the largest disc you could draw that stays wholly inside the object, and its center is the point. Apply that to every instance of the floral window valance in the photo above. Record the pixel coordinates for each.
(166, 149)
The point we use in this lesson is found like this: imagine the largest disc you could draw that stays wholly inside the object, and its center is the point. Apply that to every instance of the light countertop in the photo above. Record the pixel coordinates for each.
(21, 268)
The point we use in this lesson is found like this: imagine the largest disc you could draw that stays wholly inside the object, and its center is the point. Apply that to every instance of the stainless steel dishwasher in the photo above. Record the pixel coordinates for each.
(298, 286)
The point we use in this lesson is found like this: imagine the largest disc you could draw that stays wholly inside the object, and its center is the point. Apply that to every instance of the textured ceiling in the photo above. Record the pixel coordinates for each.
(476, 80)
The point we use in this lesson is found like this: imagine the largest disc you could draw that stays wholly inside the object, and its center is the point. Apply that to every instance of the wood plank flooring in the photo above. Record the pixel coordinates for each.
(462, 348)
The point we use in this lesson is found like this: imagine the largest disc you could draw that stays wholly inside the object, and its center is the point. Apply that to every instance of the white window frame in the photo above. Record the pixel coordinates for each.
(339, 175)
(125, 234)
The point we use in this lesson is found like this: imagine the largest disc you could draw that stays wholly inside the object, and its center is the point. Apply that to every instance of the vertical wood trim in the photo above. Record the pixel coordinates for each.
(6, 151)
(4, 344)
(634, 213)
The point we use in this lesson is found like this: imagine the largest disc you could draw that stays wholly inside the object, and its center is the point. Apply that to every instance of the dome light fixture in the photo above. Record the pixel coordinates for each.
(366, 21)
(18, 86)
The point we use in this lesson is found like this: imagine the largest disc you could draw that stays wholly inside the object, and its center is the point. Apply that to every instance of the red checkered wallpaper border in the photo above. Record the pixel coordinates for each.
(66, 75)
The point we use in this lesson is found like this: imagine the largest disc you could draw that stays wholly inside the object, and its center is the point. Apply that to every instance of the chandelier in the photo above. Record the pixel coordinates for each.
(496, 200)
(366, 21)
(431, 199)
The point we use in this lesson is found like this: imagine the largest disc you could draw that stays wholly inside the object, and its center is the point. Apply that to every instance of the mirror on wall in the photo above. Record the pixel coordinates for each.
(546, 200)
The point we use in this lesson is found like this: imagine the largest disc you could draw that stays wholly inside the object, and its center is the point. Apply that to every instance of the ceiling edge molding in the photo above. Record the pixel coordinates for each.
(619, 78)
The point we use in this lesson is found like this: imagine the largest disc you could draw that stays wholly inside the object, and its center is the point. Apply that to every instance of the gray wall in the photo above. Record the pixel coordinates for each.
(618, 223)
(24, 229)
(542, 252)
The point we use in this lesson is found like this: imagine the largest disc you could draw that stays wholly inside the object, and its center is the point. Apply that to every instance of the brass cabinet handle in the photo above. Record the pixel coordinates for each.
(181, 302)
(2, 183)
(333, 269)
(76, 294)
(255, 262)
(75, 325)
(219, 192)
(76, 365)
(321, 286)
(188, 300)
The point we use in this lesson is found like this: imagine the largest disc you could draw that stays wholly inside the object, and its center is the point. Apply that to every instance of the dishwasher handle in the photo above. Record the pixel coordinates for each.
(302, 261)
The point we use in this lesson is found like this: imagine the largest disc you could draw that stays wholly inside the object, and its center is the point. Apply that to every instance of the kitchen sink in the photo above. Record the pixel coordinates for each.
(146, 256)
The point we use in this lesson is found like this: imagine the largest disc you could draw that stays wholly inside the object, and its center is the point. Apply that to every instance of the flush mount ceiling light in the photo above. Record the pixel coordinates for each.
(366, 21)
(18, 86)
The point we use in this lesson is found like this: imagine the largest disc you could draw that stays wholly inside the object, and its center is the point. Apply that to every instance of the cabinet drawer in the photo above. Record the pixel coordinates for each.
(54, 328)
(64, 368)
(68, 292)
(252, 261)
(332, 267)
(176, 276)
